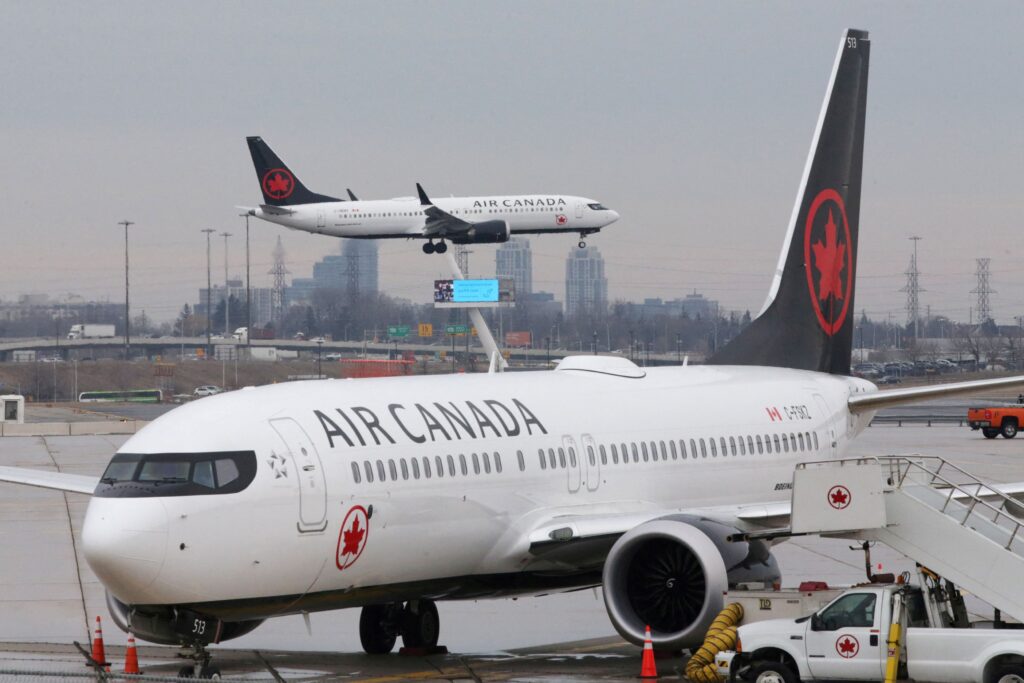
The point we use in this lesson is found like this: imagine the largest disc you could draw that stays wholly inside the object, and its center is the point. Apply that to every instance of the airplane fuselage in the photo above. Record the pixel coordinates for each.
(372, 490)
(405, 217)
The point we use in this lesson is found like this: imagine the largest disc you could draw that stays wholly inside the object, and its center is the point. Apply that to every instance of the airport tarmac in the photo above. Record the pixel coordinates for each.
(49, 596)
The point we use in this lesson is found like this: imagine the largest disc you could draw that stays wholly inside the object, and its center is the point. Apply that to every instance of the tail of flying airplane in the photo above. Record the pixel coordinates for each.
(807, 320)
(280, 186)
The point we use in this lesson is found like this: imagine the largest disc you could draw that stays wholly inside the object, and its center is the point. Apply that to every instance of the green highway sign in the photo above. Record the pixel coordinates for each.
(456, 329)
(398, 330)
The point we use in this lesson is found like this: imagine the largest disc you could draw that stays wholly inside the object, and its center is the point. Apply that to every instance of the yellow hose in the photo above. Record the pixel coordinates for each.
(721, 636)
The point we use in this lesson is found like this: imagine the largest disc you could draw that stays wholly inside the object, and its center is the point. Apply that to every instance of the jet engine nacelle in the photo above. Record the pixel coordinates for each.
(670, 574)
(484, 232)
(175, 625)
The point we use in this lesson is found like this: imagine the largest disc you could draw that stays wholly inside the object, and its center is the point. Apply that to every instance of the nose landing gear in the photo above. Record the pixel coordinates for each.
(200, 667)
(417, 622)
(582, 244)
(430, 248)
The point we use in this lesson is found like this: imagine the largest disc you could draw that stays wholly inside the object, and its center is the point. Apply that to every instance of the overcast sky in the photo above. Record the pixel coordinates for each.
(692, 120)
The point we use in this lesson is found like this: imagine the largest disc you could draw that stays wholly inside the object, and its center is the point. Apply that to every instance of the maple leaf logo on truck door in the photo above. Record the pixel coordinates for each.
(828, 260)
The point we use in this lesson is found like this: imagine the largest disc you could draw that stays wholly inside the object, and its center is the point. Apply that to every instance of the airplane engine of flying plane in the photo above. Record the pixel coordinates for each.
(461, 220)
(392, 494)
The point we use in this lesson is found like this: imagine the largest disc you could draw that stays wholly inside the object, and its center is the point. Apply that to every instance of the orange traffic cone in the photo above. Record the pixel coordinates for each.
(647, 668)
(131, 657)
(97, 646)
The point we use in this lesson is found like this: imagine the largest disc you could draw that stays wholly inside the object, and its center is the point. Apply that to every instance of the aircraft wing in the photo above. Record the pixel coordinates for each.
(62, 481)
(440, 223)
(895, 397)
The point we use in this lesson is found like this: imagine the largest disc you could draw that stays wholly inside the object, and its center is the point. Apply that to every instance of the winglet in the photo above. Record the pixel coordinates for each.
(424, 199)
(352, 196)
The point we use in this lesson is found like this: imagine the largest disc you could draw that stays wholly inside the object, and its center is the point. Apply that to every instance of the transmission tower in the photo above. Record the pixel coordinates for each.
(278, 271)
(462, 253)
(983, 289)
(913, 290)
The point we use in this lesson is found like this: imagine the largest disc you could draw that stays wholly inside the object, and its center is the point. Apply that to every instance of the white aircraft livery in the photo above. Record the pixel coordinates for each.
(392, 494)
(461, 220)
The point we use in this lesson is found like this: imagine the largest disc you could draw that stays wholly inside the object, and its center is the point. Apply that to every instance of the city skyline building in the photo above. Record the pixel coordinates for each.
(514, 260)
(586, 287)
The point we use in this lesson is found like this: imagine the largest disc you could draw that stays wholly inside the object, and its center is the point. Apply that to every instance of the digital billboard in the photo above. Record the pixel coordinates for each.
(468, 293)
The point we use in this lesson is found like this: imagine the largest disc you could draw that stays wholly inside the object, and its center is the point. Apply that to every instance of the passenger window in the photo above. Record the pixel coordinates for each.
(693, 449)
(750, 444)
(561, 458)
(721, 441)
(675, 453)
(394, 470)
(426, 467)
(743, 448)
(543, 461)
(521, 459)
(591, 457)
(476, 464)
(572, 457)
(636, 453)
(369, 471)
(355, 472)
(487, 463)
(615, 454)
(682, 449)
(439, 465)
(551, 458)
(815, 440)
(654, 451)
(732, 445)
(462, 464)
(202, 474)
(785, 444)
(405, 469)
(714, 450)
(703, 449)
(227, 471)
(776, 437)
(415, 468)
(760, 446)
(604, 455)
(380, 471)
(800, 438)
(643, 450)
(497, 462)
(792, 441)
(451, 466)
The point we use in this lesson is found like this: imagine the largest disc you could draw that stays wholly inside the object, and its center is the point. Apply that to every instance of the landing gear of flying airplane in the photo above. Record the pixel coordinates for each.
(200, 668)
(583, 241)
(417, 622)
(430, 247)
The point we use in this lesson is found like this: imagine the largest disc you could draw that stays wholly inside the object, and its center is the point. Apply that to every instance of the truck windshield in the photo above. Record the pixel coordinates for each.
(131, 475)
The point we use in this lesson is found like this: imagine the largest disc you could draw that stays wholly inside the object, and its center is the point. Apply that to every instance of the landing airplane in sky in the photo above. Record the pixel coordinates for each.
(461, 220)
(392, 494)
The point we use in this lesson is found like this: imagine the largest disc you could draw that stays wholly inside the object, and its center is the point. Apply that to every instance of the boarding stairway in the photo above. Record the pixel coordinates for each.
(932, 511)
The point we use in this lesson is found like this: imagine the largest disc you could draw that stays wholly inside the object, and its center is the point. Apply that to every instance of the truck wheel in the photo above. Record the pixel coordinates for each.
(1009, 429)
(776, 672)
(1009, 674)
(990, 432)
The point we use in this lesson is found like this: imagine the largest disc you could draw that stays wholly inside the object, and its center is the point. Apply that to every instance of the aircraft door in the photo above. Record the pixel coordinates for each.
(579, 209)
(309, 473)
(591, 462)
(573, 463)
(828, 427)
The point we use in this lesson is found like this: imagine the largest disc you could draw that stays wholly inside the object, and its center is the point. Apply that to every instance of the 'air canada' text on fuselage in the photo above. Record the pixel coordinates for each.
(509, 203)
(359, 425)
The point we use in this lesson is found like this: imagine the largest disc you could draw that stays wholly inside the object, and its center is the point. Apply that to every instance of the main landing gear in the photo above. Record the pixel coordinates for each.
(417, 622)
(429, 247)
(200, 667)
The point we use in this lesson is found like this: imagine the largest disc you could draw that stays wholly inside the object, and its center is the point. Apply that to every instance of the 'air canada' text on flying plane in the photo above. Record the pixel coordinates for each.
(461, 220)
(393, 494)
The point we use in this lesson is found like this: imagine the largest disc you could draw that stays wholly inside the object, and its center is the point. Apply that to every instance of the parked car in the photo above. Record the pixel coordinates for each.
(890, 379)
(206, 390)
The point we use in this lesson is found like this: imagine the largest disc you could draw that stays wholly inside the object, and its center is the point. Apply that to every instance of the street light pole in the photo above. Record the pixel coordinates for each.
(227, 290)
(127, 319)
(209, 313)
(248, 287)
(319, 348)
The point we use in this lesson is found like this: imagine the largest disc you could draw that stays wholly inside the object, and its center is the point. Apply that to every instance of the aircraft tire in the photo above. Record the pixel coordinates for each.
(441, 247)
(429, 248)
(375, 632)
(421, 624)
(210, 673)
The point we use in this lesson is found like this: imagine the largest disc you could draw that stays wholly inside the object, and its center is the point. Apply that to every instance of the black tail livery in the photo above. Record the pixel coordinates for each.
(280, 186)
(807, 321)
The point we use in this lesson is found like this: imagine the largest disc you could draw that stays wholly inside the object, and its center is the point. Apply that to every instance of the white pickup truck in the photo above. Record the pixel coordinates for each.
(847, 640)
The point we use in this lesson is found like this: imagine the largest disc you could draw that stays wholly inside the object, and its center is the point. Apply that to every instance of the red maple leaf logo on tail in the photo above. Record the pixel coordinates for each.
(278, 184)
(829, 260)
(351, 539)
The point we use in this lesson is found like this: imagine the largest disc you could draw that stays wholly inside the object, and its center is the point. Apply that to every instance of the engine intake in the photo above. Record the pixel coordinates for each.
(484, 232)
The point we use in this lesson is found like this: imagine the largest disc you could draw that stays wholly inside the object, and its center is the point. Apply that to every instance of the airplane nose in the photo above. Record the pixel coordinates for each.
(614, 216)
(124, 542)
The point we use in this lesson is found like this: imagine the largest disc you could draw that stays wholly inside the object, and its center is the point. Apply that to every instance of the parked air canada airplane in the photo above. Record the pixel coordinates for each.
(461, 220)
(392, 494)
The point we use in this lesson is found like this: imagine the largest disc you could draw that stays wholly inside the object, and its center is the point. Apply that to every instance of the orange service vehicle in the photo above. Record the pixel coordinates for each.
(996, 420)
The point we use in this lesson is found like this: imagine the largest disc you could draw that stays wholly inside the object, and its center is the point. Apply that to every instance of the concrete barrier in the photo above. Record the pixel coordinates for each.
(84, 428)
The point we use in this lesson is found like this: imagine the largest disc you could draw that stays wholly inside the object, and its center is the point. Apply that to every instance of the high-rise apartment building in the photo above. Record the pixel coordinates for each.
(586, 287)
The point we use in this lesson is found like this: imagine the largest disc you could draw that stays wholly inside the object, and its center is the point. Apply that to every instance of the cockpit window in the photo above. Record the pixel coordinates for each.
(132, 475)
(598, 207)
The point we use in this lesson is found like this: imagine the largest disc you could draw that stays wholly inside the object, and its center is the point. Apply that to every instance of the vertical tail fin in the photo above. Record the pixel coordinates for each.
(279, 185)
(807, 321)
